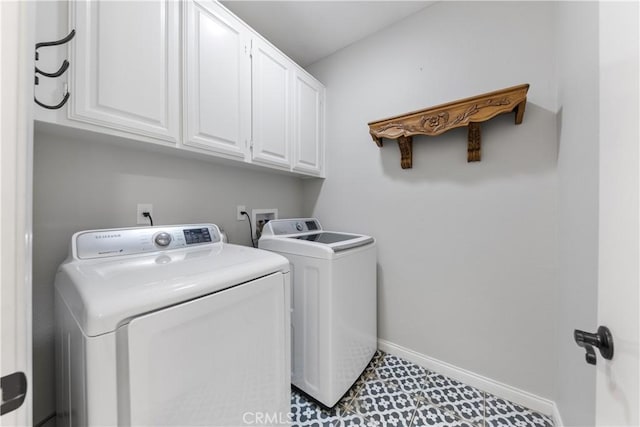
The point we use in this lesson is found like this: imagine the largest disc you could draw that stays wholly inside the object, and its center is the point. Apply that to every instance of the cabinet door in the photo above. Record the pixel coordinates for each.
(271, 99)
(125, 66)
(308, 124)
(217, 101)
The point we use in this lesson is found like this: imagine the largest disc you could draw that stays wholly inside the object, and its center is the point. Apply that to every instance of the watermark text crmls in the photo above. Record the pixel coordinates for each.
(267, 418)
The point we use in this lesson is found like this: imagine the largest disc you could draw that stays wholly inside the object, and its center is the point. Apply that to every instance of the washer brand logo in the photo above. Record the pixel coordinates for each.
(107, 236)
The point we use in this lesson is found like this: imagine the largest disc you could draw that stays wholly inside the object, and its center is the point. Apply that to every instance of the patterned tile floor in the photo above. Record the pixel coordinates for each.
(394, 392)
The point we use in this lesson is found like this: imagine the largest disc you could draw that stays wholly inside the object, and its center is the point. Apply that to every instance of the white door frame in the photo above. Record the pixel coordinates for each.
(16, 172)
(617, 380)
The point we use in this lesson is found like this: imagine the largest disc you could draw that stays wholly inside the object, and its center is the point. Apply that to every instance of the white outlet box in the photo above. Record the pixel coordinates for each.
(259, 217)
(144, 207)
(239, 210)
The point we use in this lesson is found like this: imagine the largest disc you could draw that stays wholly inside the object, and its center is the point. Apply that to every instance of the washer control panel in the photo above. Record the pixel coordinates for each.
(129, 241)
(278, 227)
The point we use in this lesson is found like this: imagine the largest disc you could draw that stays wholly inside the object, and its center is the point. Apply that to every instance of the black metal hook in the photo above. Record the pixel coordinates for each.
(58, 73)
(53, 107)
(56, 42)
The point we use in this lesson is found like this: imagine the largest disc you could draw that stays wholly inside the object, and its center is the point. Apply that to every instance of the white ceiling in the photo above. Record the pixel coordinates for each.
(310, 30)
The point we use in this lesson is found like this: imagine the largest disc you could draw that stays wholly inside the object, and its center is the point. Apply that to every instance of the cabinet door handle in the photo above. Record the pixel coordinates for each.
(602, 340)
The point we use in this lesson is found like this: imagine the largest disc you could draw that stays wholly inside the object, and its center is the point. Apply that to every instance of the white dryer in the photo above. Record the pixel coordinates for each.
(333, 286)
(168, 325)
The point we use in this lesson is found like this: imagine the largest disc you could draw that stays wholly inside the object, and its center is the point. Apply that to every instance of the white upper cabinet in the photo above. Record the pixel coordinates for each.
(308, 124)
(272, 75)
(217, 80)
(185, 73)
(126, 66)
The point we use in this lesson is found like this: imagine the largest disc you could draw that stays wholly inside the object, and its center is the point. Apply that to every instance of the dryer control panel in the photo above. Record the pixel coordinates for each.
(128, 241)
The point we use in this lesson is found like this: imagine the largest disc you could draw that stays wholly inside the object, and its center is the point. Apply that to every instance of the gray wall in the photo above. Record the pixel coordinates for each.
(578, 99)
(467, 252)
(81, 184)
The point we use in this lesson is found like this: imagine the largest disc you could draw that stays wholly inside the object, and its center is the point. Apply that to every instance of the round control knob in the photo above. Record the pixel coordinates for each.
(298, 226)
(162, 239)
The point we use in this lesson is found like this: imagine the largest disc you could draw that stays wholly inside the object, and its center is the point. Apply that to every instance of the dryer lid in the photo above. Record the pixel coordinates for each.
(103, 294)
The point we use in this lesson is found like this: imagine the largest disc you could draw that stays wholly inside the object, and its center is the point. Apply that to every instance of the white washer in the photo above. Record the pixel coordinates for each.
(333, 288)
(169, 325)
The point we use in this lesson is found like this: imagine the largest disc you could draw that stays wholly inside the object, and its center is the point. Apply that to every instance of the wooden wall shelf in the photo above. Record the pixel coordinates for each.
(436, 120)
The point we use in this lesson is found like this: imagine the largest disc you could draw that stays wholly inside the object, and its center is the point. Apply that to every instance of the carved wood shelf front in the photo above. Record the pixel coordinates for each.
(436, 120)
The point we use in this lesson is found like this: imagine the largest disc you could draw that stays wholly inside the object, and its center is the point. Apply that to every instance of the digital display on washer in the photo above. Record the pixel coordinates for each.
(326, 237)
(311, 225)
(197, 235)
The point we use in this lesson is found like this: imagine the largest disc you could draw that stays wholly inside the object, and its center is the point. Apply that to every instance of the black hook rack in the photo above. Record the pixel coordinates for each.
(58, 73)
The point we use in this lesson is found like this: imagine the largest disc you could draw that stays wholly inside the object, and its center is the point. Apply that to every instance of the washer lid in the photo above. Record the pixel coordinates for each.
(105, 293)
(326, 237)
(336, 242)
(305, 236)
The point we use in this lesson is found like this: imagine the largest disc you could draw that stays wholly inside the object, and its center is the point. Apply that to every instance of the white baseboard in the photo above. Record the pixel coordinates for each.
(505, 391)
(557, 419)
